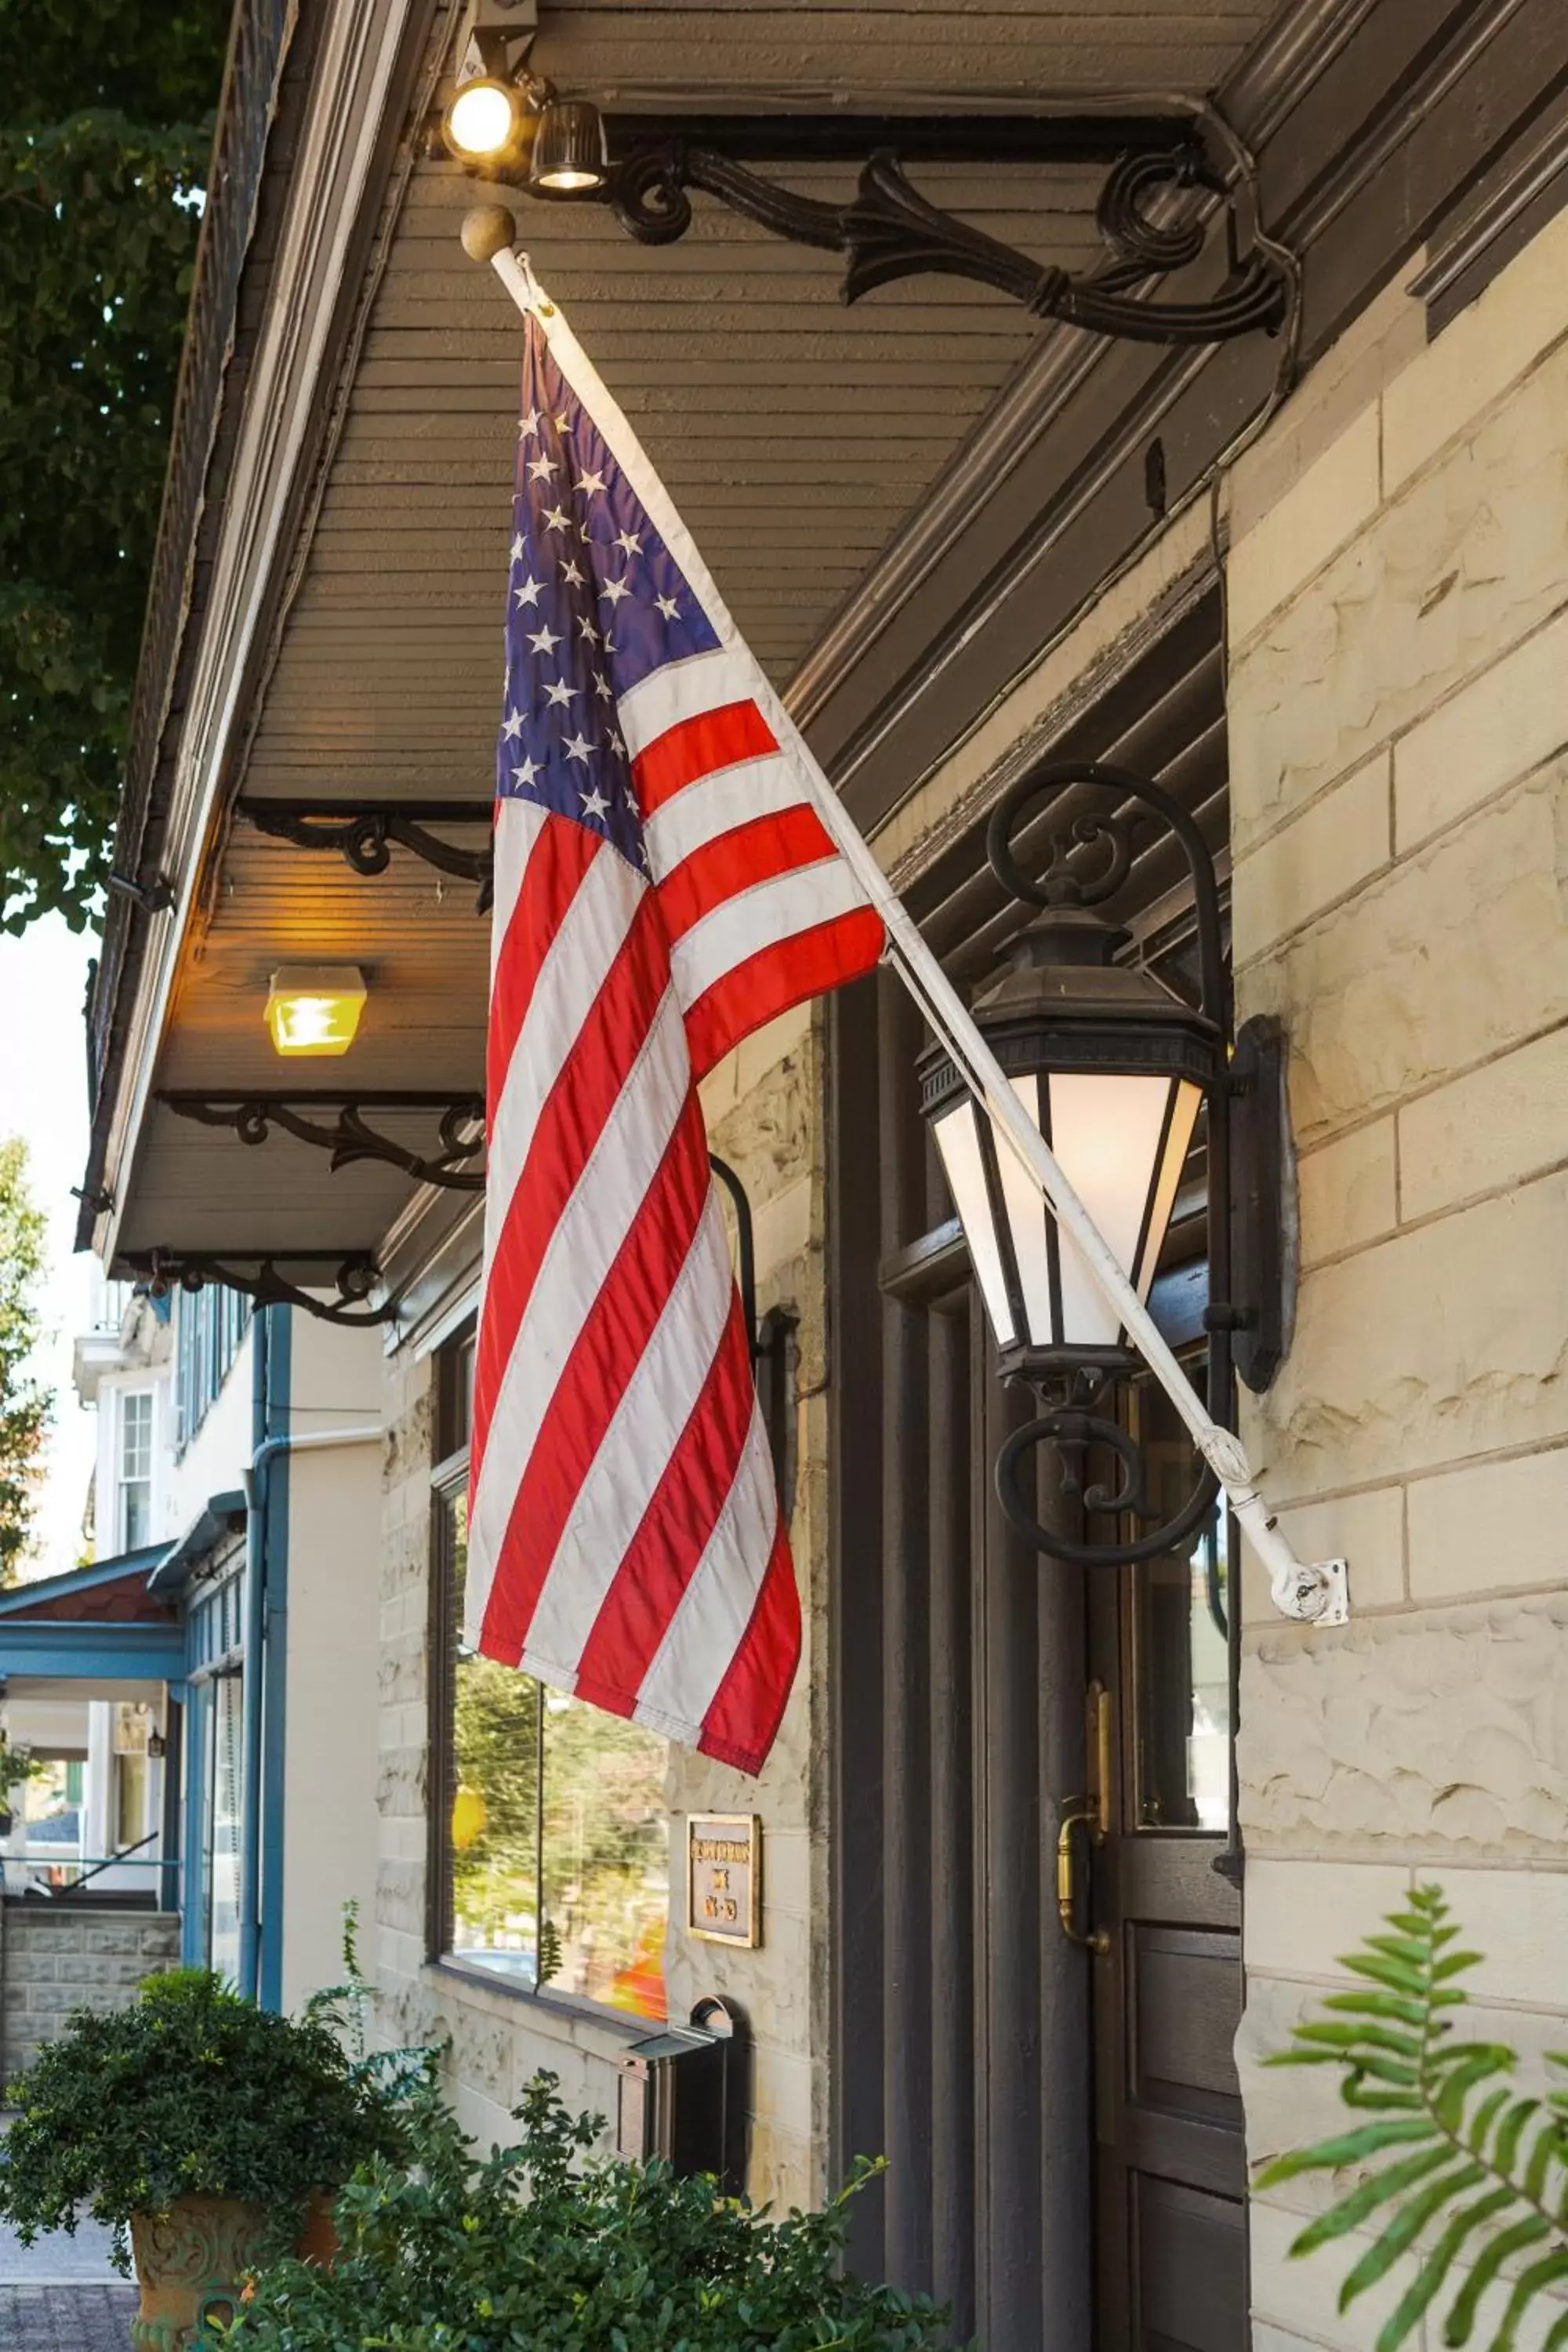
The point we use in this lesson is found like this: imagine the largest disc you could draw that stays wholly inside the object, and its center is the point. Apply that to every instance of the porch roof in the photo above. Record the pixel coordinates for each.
(863, 483)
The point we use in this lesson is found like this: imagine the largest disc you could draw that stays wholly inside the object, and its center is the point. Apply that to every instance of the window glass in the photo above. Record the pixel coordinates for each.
(136, 1471)
(594, 1866)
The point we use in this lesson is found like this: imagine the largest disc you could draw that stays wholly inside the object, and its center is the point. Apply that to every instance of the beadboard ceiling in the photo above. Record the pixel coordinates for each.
(797, 436)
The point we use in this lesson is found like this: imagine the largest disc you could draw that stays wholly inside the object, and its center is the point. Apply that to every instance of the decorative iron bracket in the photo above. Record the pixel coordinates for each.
(352, 1273)
(363, 832)
(347, 1134)
(890, 231)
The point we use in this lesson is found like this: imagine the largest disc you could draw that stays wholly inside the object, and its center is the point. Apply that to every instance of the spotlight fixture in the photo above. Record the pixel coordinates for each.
(571, 154)
(491, 123)
(315, 1008)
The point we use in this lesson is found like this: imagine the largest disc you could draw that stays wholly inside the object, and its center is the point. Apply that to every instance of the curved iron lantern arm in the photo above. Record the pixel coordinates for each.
(888, 231)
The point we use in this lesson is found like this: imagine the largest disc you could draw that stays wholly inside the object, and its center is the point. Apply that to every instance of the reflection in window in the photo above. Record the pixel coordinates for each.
(592, 1864)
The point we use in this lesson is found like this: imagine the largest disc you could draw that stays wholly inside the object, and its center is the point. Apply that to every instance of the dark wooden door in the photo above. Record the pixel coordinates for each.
(1170, 2166)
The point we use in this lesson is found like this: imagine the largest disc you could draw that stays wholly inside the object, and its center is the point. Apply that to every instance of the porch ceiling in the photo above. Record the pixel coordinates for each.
(797, 436)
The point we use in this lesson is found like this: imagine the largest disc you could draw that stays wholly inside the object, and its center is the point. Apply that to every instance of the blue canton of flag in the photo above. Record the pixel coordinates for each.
(597, 603)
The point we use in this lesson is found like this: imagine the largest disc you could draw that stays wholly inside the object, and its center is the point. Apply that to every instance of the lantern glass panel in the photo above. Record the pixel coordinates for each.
(1106, 1132)
(958, 1140)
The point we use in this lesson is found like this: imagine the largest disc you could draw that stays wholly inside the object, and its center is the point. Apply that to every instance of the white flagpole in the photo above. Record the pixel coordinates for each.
(1310, 1591)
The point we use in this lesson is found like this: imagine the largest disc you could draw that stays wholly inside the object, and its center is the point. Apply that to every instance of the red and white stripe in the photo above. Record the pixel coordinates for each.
(625, 1538)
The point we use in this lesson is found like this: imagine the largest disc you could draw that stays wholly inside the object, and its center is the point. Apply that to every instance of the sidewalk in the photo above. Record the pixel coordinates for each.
(67, 2318)
(62, 2294)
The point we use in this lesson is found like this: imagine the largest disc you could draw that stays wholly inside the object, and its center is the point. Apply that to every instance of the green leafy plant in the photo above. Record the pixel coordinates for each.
(190, 2092)
(18, 1765)
(1475, 2186)
(25, 1404)
(545, 2246)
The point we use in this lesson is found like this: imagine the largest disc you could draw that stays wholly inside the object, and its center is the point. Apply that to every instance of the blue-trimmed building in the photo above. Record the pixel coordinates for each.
(207, 1690)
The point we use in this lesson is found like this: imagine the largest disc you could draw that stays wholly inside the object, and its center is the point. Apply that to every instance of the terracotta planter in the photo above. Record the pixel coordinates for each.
(190, 2260)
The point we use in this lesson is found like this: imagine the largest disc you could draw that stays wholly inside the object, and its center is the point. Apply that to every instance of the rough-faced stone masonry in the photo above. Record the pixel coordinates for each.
(1398, 731)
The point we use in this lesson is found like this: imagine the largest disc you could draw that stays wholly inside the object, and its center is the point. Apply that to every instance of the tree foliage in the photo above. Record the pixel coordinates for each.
(1474, 2191)
(24, 1402)
(106, 131)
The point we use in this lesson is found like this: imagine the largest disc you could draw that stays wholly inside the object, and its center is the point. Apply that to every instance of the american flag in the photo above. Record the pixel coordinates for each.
(663, 885)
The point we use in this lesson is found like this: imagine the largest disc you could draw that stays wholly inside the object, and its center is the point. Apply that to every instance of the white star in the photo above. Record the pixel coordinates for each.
(513, 726)
(601, 685)
(590, 482)
(668, 606)
(559, 695)
(527, 427)
(528, 592)
(586, 631)
(517, 549)
(564, 425)
(617, 744)
(557, 519)
(525, 775)
(593, 803)
(540, 469)
(609, 643)
(630, 541)
(578, 747)
(614, 590)
(569, 570)
(632, 802)
(543, 641)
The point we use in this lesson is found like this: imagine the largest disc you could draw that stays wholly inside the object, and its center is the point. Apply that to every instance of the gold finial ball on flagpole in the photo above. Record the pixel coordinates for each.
(487, 229)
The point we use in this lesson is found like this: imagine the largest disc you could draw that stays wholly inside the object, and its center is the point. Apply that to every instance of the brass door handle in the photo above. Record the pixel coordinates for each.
(1083, 1812)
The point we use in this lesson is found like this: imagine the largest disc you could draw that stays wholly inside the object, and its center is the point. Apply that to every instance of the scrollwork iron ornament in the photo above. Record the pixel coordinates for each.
(347, 1133)
(1085, 862)
(888, 231)
(354, 1274)
(362, 833)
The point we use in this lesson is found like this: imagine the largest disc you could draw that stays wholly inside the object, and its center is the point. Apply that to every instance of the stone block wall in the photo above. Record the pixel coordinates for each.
(763, 1110)
(1398, 615)
(57, 1958)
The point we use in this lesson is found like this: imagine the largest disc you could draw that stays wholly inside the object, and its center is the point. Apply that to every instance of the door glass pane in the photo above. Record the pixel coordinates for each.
(1182, 1682)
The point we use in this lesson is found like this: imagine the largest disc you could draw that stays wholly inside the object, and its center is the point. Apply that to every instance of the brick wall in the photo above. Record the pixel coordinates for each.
(763, 1109)
(1399, 719)
(53, 1960)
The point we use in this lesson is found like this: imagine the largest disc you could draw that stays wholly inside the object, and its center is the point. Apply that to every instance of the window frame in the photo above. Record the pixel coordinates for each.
(448, 1478)
(123, 1478)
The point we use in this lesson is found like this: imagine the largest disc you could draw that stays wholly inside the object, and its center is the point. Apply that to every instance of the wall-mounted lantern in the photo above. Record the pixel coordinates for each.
(1115, 1070)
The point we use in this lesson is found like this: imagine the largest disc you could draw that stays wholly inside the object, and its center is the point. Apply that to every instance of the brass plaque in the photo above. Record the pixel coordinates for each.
(724, 1877)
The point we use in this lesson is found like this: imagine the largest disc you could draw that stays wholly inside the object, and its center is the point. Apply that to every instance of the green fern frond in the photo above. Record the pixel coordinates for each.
(1442, 2128)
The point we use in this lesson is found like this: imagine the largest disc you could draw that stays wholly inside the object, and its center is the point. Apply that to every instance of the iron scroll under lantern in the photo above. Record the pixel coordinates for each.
(1115, 1070)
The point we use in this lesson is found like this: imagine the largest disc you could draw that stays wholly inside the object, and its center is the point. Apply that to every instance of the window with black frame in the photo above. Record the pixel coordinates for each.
(548, 1828)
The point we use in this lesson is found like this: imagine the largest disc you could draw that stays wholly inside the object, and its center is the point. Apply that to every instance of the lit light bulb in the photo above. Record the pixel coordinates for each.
(482, 119)
(315, 1008)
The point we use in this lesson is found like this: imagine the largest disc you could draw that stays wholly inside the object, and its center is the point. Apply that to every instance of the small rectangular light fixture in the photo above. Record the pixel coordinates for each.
(314, 1008)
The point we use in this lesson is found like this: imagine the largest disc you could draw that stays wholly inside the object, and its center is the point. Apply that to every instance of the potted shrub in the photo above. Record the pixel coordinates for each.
(203, 2124)
(545, 2245)
(17, 1766)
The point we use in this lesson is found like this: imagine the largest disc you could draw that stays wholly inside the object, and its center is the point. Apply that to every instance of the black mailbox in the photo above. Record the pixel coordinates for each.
(684, 2095)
